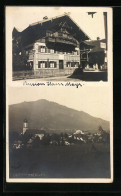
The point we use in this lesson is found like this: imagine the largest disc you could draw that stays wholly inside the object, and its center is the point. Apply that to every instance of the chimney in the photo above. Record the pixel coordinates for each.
(98, 38)
(45, 18)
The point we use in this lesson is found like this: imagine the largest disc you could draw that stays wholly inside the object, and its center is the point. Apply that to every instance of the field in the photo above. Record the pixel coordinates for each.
(60, 162)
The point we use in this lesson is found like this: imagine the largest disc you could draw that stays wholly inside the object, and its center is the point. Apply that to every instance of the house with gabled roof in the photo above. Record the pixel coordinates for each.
(93, 54)
(51, 45)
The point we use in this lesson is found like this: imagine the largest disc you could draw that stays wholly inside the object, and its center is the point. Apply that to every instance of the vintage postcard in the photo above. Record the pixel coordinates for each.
(59, 94)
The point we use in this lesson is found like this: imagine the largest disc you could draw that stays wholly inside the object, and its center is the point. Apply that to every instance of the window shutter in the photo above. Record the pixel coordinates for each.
(45, 64)
(54, 64)
(39, 49)
(45, 49)
(39, 64)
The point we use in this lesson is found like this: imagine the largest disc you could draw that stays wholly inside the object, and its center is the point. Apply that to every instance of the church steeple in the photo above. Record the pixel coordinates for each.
(25, 126)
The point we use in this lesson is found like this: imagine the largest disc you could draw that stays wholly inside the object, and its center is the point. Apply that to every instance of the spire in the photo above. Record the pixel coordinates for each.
(25, 125)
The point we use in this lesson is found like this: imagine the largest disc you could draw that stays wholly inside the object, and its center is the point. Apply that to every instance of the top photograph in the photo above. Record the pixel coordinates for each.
(59, 44)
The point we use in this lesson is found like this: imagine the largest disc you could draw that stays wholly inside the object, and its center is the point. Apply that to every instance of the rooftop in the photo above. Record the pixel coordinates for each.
(38, 30)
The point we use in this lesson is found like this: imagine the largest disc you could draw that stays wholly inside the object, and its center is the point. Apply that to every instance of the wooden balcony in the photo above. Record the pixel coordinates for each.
(62, 40)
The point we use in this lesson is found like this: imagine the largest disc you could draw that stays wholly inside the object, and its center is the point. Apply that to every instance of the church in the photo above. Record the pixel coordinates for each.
(51, 46)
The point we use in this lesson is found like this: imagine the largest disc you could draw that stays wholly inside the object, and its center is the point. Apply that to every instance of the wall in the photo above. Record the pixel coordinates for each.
(42, 73)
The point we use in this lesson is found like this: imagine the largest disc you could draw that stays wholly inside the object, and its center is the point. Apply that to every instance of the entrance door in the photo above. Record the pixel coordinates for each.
(60, 64)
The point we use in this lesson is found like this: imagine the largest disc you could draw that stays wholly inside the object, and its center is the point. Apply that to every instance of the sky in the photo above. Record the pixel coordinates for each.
(21, 17)
(93, 100)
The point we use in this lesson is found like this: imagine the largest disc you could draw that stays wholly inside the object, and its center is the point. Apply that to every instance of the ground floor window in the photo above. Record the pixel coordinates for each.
(45, 64)
(53, 64)
(68, 64)
(74, 64)
(42, 64)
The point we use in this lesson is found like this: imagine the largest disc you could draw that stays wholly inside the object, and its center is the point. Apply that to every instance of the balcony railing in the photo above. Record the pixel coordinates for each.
(63, 40)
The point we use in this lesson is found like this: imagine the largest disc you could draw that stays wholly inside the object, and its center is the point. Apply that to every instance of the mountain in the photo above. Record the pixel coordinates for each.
(43, 114)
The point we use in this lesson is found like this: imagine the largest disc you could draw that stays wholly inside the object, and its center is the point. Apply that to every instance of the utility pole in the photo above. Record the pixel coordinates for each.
(106, 37)
(105, 26)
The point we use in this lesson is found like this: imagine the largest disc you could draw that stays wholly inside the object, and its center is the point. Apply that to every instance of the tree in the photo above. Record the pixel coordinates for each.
(25, 138)
(96, 58)
(13, 136)
(71, 139)
(46, 139)
(36, 142)
(100, 129)
(20, 56)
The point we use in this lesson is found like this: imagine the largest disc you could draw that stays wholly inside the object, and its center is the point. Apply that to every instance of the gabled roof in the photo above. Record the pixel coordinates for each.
(15, 32)
(95, 44)
(38, 30)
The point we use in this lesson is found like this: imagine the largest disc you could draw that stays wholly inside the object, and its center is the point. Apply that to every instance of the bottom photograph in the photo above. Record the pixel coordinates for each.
(58, 134)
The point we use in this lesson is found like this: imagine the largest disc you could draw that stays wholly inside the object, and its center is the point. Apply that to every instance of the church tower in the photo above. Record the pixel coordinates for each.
(25, 126)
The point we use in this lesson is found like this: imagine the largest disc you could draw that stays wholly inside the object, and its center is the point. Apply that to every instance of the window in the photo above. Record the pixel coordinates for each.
(51, 51)
(74, 64)
(42, 64)
(41, 49)
(51, 34)
(77, 64)
(68, 64)
(52, 64)
(75, 53)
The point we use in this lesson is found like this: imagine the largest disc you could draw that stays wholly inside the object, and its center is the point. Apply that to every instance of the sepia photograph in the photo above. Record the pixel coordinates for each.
(59, 101)
(59, 135)
(59, 43)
